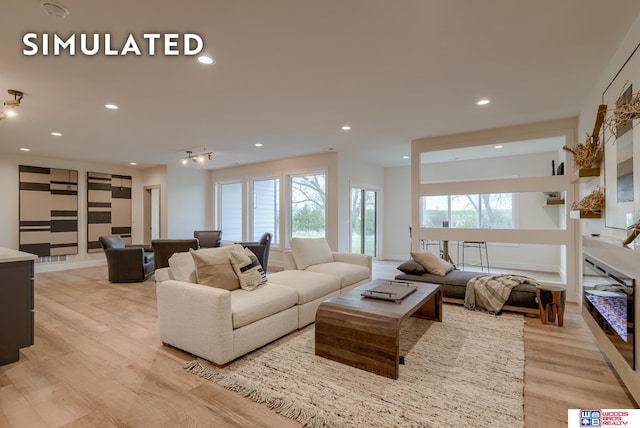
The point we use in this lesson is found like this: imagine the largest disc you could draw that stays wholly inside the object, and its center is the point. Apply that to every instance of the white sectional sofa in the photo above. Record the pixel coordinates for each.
(221, 325)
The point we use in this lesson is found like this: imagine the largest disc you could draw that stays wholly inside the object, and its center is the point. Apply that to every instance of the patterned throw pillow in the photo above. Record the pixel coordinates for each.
(248, 269)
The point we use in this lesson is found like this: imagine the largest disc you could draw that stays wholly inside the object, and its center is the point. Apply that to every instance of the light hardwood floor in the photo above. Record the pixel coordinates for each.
(98, 362)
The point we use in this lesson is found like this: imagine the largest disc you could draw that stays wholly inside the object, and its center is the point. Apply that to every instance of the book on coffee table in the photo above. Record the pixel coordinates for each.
(393, 291)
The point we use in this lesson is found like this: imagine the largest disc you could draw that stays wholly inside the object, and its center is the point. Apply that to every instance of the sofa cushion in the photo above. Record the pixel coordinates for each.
(411, 267)
(213, 267)
(248, 269)
(308, 252)
(183, 268)
(348, 273)
(432, 263)
(309, 285)
(267, 299)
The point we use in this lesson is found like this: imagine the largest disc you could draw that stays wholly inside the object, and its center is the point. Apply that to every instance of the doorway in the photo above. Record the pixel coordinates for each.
(364, 203)
(151, 213)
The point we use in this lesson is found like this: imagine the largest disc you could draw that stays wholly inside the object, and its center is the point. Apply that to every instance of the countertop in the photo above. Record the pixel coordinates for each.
(8, 255)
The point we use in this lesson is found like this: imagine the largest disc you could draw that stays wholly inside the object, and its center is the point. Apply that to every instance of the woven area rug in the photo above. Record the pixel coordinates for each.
(466, 371)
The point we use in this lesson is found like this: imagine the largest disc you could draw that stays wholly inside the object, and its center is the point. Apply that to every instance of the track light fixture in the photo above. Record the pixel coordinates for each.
(197, 159)
(10, 105)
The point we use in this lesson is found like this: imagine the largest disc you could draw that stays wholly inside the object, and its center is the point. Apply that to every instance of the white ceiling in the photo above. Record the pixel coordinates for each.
(289, 73)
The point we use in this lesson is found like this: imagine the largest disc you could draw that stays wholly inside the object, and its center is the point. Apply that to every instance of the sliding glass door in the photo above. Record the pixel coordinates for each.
(363, 221)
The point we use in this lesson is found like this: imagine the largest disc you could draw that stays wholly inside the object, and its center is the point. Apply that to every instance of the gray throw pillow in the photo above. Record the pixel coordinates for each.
(411, 267)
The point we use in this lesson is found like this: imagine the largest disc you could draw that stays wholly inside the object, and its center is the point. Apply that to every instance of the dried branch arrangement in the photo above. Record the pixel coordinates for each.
(634, 232)
(589, 154)
(594, 202)
(627, 109)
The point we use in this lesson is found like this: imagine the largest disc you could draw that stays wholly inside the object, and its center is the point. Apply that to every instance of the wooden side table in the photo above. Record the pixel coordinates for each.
(551, 301)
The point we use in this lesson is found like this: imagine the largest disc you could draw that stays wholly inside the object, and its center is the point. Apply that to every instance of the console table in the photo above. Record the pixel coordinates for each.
(16, 303)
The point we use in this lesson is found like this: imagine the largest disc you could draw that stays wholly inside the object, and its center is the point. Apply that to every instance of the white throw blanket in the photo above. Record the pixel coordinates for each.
(490, 292)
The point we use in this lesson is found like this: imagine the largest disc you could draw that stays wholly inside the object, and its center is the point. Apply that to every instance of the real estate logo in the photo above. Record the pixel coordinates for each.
(590, 418)
(90, 44)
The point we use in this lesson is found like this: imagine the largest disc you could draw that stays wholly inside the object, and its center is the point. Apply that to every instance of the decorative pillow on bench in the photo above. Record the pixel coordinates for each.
(432, 263)
(411, 267)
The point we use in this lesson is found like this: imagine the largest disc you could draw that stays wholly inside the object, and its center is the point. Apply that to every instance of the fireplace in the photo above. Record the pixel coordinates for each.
(608, 295)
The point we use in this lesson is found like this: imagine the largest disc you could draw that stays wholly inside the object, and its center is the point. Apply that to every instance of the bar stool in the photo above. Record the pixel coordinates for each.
(480, 245)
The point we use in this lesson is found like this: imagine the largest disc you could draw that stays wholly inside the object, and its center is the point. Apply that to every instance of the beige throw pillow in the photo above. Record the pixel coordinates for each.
(213, 267)
(248, 268)
(432, 263)
(310, 251)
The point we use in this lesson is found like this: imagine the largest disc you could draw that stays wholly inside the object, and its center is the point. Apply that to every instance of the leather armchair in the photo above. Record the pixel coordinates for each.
(208, 238)
(164, 249)
(127, 263)
(260, 249)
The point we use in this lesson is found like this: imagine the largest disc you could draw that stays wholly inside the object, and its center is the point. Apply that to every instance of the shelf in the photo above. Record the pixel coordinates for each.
(576, 214)
(553, 202)
(585, 174)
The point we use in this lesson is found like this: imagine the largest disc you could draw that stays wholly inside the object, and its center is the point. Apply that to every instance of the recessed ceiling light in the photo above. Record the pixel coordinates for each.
(497, 147)
(483, 102)
(10, 113)
(24, 149)
(56, 134)
(405, 157)
(258, 144)
(206, 60)
(54, 9)
(111, 106)
(346, 128)
(133, 163)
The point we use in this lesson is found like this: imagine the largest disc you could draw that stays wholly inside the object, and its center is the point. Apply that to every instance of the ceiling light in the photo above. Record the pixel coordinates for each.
(346, 128)
(54, 9)
(24, 149)
(10, 105)
(206, 60)
(133, 163)
(497, 147)
(405, 157)
(111, 106)
(197, 159)
(258, 144)
(483, 102)
(56, 134)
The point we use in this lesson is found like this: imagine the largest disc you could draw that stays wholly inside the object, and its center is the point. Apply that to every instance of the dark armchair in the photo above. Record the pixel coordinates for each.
(260, 249)
(164, 249)
(208, 238)
(127, 263)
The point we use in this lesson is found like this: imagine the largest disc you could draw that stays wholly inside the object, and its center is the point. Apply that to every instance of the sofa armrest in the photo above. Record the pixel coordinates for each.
(163, 274)
(355, 259)
(196, 319)
(289, 261)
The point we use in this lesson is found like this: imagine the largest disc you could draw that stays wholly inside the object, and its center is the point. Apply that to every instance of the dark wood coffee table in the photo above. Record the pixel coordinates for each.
(365, 333)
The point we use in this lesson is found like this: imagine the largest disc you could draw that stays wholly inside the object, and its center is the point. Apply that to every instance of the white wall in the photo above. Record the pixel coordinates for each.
(607, 247)
(9, 209)
(352, 172)
(397, 213)
(188, 193)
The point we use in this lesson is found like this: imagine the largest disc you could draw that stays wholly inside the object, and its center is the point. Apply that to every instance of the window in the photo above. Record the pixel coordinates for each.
(492, 210)
(231, 211)
(265, 211)
(308, 206)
